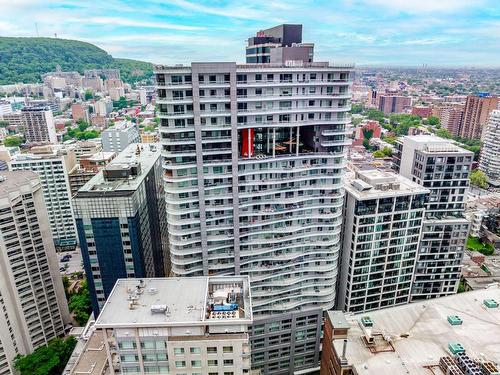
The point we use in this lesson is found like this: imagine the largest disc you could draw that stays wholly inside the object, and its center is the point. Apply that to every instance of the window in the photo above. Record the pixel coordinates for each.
(129, 358)
(178, 351)
(212, 350)
(180, 364)
(195, 350)
(227, 349)
(212, 362)
(228, 362)
(196, 363)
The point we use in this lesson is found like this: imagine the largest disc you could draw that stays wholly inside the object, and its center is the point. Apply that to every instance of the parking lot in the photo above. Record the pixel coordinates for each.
(74, 264)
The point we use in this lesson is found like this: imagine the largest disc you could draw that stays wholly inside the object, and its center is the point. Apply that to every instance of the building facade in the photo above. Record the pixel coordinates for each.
(489, 162)
(279, 44)
(38, 124)
(476, 114)
(196, 325)
(120, 218)
(253, 159)
(119, 136)
(32, 301)
(53, 167)
(382, 225)
(444, 168)
(393, 103)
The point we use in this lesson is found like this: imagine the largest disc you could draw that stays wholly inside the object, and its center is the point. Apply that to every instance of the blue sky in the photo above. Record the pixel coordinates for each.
(375, 32)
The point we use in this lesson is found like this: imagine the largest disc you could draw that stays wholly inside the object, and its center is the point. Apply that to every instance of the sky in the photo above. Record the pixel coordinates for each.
(365, 32)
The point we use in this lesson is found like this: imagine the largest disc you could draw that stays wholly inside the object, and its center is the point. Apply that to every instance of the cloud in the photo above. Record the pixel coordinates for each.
(425, 6)
(118, 21)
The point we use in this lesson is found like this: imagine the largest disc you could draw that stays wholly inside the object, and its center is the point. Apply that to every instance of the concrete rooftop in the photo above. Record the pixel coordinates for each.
(186, 300)
(428, 334)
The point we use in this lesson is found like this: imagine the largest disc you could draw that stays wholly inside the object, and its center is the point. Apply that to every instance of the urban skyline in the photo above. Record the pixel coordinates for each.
(369, 32)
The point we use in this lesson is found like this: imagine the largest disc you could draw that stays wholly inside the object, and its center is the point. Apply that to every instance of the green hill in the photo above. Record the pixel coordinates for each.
(25, 59)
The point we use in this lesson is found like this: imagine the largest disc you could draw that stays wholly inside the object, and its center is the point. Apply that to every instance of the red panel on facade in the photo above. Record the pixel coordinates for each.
(247, 137)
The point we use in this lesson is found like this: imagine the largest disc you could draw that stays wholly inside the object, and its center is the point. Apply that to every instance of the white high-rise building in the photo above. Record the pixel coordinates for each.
(253, 158)
(382, 226)
(53, 167)
(444, 168)
(38, 125)
(489, 162)
(33, 308)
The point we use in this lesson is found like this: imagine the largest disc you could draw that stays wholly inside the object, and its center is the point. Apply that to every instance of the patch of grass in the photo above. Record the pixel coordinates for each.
(475, 244)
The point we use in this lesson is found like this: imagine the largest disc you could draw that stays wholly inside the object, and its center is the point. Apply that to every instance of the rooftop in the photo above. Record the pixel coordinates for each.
(407, 338)
(374, 183)
(261, 66)
(139, 157)
(99, 156)
(189, 301)
(433, 144)
(120, 125)
(12, 181)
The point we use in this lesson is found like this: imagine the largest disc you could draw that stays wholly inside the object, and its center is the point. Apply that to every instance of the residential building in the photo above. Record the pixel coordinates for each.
(489, 162)
(371, 127)
(451, 335)
(278, 45)
(178, 325)
(105, 73)
(84, 148)
(422, 111)
(389, 103)
(88, 168)
(15, 120)
(121, 221)
(115, 93)
(38, 124)
(53, 167)
(149, 137)
(383, 216)
(450, 117)
(51, 104)
(5, 108)
(476, 114)
(442, 167)
(103, 107)
(119, 136)
(79, 112)
(32, 300)
(253, 159)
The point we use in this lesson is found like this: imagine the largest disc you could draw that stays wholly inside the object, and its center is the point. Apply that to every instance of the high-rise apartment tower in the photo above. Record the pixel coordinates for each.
(489, 162)
(33, 308)
(442, 167)
(253, 159)
(382, 225)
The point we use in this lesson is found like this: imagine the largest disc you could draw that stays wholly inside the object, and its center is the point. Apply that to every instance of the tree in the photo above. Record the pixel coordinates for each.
(4, 124)
(374, 114)
(444, 133)
(433, 120)
(88, 94)
(79, 304)
(478, 178)
(357, 108)
(46, 360)
(149, 128)
(13, 141)
(379, 154)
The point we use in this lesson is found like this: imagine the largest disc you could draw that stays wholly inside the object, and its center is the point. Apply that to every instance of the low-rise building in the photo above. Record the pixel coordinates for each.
(178, 325)
(457, 334)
